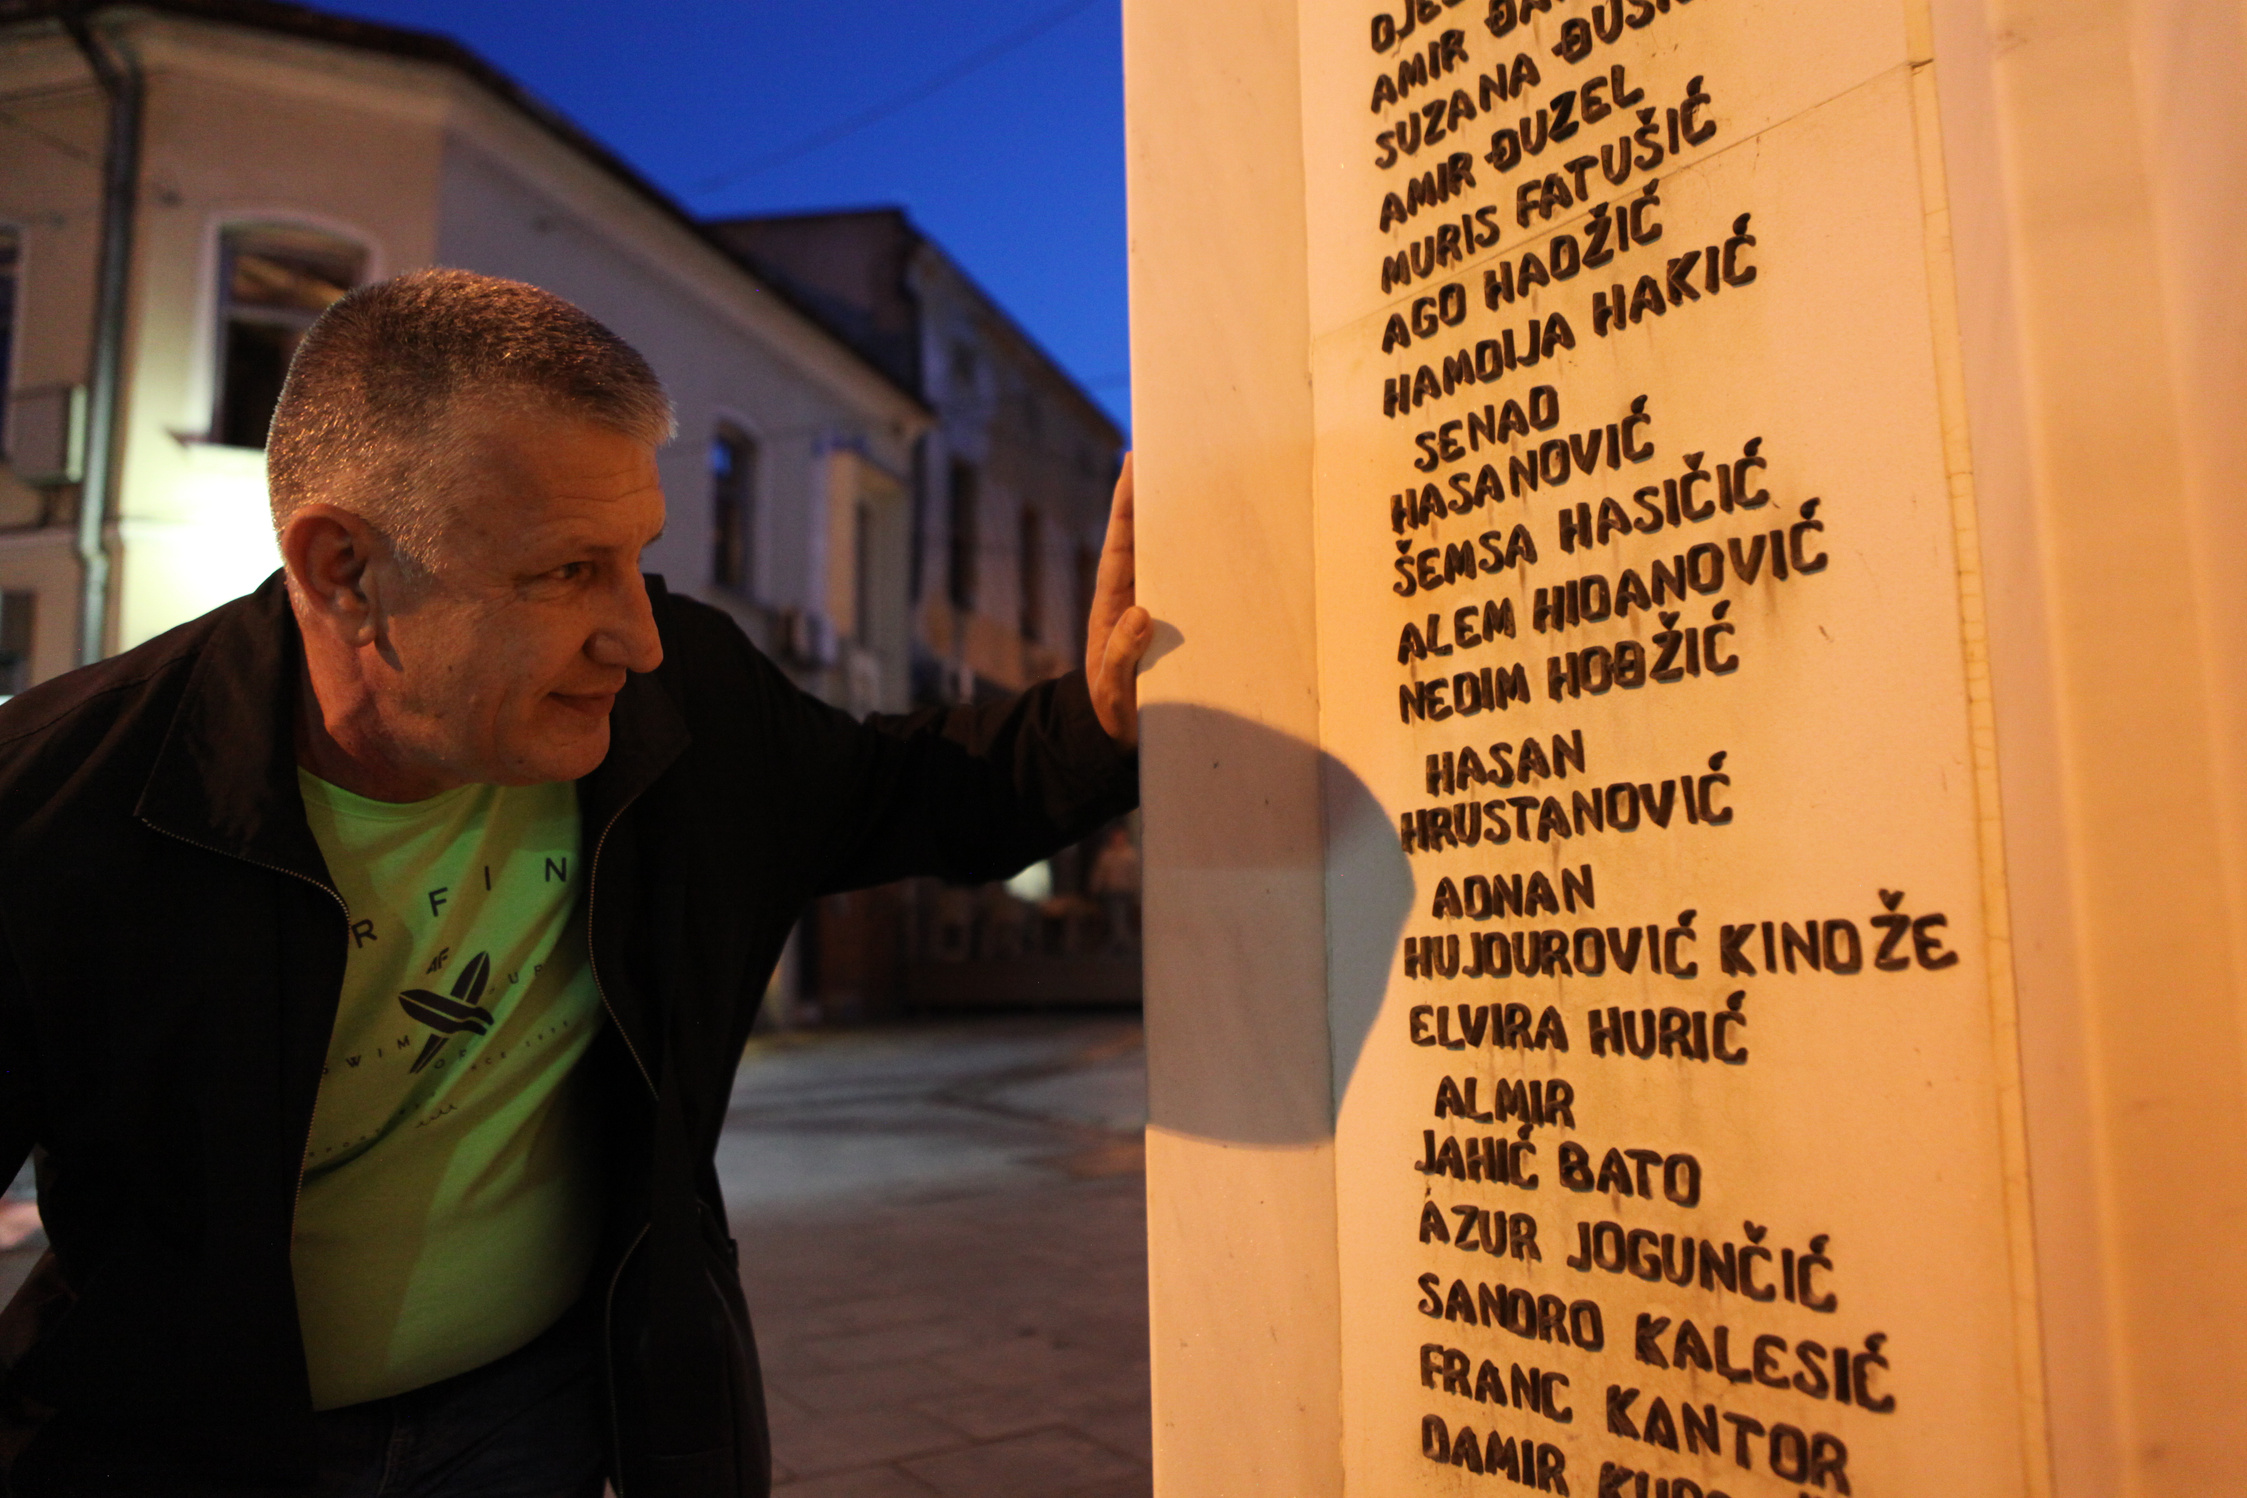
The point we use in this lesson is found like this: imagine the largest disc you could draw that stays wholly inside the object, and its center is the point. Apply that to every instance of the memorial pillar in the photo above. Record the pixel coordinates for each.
(1240, 1143)
(1696, 754)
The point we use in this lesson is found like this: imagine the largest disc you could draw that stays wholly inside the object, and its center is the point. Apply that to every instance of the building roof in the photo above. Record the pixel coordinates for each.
(852, 268)
(867, 299)
(306, 23)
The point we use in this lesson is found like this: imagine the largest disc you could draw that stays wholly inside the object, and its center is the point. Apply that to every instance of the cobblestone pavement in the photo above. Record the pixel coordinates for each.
(943, 1243)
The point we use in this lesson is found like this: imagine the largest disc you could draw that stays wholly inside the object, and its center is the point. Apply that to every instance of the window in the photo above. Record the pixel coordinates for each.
(17, 612)
(733, 511)
(10, 249)
(273, 282)
(1033, 574)
(862, 572)
(1088, 583)
(961, 578)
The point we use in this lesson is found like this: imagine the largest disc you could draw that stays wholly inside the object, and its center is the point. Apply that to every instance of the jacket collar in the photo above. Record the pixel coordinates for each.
(225, 778)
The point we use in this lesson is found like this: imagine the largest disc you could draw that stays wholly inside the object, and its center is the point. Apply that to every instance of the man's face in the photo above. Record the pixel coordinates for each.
(503, 665)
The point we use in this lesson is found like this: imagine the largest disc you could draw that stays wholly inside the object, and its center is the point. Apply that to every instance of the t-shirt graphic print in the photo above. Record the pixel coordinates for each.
(448, 1016)
(448, 1206)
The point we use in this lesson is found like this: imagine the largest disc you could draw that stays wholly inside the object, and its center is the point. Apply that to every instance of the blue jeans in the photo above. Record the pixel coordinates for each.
(527, 1426)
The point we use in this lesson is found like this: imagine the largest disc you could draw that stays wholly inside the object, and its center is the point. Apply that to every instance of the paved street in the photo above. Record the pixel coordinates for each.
(943, 1243)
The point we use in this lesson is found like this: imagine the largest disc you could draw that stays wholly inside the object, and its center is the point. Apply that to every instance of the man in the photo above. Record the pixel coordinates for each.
(376, 951)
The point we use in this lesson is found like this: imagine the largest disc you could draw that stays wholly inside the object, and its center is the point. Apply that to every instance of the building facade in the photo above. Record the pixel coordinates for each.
(286, 156)
(1012, 485)
(1013, 480)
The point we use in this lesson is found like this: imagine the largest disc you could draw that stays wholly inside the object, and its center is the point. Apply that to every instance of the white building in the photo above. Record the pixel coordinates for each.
(1014, 484)
(1016, 475)
(285, 155)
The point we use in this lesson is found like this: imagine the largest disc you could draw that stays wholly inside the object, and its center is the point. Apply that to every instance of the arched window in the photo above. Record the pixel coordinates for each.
(961, 503)
(18, 617)
(274, 280)
(862, 592)
(1032, 560)
(733, 511)
(8, 256)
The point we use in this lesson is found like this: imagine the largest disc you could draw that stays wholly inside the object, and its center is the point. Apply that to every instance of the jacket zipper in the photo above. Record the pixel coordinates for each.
(616, 1277)
(304, 1155)
(608, 1357)
(592, 889)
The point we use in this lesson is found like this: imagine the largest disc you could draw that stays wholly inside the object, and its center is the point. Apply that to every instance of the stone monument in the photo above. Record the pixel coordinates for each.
(1697, 891)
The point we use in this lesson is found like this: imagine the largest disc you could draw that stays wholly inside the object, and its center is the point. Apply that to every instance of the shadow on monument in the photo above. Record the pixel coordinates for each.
(1288, 873)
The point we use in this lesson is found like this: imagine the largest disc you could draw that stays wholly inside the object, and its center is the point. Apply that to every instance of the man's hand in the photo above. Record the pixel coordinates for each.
(1116, 636)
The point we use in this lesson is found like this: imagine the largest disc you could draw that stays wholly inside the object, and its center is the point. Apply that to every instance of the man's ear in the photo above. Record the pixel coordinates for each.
(330, 555)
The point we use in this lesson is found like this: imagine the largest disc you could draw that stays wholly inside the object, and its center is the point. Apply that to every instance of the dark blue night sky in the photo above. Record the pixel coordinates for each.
(1017, 168)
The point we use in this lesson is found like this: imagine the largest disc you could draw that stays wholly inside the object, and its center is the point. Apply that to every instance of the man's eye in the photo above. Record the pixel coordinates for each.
(570, 572)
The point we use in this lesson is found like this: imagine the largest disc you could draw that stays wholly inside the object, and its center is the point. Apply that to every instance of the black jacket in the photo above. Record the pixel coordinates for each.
(172, 950)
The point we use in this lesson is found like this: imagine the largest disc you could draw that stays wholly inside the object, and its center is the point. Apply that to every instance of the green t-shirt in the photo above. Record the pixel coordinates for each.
(447, 1213)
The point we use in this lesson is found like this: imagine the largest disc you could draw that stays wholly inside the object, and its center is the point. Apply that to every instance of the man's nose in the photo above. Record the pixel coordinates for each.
(628, 638)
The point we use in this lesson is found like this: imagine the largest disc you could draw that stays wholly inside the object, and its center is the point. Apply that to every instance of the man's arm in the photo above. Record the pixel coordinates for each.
(978, 792)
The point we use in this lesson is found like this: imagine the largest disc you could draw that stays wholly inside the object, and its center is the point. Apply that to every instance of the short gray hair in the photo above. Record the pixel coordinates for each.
(362, 422)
